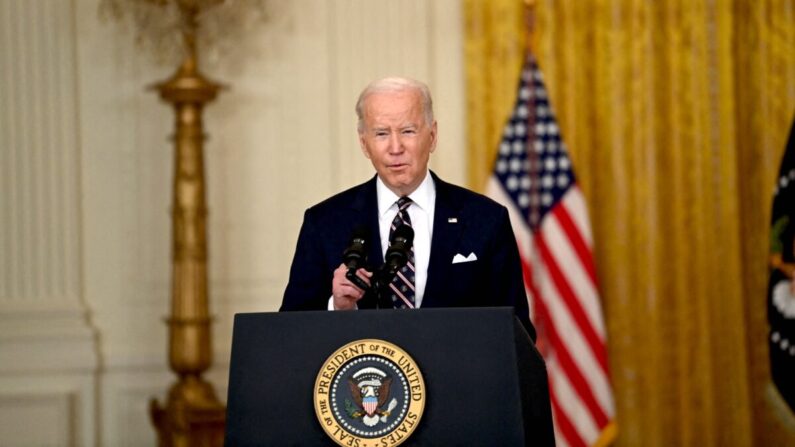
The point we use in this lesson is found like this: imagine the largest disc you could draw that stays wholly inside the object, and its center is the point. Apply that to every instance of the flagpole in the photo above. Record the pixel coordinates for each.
(530, 22)
(532, 156)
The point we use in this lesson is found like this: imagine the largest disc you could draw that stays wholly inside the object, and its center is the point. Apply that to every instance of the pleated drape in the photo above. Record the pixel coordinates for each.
(676, 114)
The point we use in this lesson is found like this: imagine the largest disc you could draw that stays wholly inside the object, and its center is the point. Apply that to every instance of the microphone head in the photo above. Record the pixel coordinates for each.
(355, 255)
(403, 234)
(397, 255)
(360, 235)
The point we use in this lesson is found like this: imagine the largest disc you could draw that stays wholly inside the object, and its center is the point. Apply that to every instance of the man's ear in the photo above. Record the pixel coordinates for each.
(433, 136)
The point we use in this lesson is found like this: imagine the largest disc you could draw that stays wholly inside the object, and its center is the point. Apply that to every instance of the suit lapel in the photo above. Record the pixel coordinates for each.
(447, 230)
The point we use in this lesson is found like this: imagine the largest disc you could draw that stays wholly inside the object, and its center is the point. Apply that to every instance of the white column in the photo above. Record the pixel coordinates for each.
(48, 351)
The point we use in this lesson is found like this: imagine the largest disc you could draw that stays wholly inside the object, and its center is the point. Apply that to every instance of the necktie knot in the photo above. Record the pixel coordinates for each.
(403, 203)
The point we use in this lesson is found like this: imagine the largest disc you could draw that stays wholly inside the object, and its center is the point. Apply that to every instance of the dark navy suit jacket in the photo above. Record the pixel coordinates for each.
(464, 222)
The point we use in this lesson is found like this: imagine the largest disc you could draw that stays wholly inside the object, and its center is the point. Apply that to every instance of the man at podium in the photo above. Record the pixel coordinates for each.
(445, 246)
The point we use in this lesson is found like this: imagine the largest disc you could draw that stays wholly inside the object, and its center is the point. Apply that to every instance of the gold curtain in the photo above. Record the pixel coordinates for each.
(676, 114)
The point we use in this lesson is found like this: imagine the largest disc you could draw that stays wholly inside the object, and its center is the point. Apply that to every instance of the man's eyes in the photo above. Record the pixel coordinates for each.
(383, 133)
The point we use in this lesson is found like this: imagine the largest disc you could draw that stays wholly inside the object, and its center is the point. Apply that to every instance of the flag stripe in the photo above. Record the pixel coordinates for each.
(560, 441)
(572, 303)
(576, 239)
(578, 416)
(568, 364)
(563, 424)
(543, 318)
(575, 203)
(582, 287)
(573, 345)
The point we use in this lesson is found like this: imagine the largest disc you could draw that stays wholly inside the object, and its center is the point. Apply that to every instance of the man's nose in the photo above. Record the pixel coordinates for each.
(395, 143)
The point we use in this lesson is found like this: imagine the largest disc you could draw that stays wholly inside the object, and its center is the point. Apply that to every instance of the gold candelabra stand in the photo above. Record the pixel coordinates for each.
(192, 415)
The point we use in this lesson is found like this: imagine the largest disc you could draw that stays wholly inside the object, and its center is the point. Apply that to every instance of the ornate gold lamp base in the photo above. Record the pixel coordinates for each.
(191, 417)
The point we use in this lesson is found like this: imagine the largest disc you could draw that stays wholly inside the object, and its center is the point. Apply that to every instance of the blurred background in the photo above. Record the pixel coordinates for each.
(675, 115)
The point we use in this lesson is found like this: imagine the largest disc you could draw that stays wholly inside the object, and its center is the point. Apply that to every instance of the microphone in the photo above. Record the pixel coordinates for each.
(397, 255)
(355, 256)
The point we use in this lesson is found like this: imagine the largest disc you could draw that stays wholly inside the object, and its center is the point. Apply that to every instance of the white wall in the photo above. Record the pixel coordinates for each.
(85, 175)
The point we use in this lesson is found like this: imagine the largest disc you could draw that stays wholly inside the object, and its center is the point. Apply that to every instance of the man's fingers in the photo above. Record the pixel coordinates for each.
(364, 275)
(350, 290)
(346, 293)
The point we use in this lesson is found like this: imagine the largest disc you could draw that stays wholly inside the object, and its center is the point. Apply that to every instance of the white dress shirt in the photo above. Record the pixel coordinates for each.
(421, 215)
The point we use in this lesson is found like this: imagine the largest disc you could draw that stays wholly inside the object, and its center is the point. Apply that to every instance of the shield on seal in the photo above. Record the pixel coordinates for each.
(370, 404)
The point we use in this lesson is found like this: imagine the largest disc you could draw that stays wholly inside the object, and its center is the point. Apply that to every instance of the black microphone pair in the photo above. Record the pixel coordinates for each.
(397, 255)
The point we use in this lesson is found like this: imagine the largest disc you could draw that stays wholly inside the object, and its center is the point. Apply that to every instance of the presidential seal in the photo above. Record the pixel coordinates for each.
(369, 393)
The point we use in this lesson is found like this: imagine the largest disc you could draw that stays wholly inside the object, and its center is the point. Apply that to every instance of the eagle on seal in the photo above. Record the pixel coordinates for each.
(370, 391)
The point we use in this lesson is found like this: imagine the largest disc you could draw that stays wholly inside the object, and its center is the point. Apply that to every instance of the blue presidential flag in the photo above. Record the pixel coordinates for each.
(781, 289)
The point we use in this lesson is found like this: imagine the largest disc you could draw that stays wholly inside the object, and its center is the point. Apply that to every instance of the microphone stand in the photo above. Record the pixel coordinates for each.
(382, 278)
(380, 282)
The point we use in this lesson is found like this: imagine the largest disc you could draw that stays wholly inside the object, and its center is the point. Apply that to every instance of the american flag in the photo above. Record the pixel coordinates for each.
(533, 178)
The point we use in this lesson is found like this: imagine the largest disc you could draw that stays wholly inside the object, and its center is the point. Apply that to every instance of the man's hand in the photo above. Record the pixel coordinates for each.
(345, 293)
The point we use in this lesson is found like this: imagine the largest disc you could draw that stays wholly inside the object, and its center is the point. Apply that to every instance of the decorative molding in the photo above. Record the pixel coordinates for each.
(124, 400)
(125, 396)
(37, 419)
(52, 409)
(46, 342)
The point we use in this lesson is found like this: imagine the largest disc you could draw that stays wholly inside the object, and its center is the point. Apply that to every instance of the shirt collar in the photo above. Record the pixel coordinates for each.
(423, 196)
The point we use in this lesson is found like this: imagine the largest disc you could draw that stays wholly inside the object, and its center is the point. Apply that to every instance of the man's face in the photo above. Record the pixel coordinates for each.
(397, 139)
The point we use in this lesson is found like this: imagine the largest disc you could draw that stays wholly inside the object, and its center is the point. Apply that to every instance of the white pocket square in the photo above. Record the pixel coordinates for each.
(458, 258)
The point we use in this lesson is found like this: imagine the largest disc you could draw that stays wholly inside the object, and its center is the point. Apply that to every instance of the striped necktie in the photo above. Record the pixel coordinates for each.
(402, 286)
